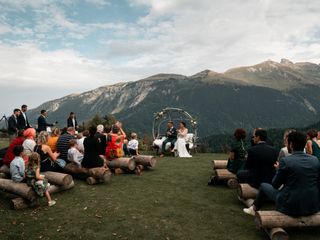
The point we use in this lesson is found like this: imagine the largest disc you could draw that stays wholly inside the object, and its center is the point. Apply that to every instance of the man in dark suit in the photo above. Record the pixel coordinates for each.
(23, 119)
(294, 188)
(171, 137)
(260, 161)
(42, 121)
(72, 121)
(13, 125)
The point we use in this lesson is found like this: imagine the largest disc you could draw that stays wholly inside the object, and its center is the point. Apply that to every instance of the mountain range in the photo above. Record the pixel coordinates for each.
(270, 94)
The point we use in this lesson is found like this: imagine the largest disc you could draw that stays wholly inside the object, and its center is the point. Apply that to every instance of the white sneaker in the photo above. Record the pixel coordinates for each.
(249, 211)
(51, 203)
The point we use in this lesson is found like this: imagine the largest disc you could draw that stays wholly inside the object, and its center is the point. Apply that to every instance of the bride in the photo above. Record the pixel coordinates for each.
(180, 145)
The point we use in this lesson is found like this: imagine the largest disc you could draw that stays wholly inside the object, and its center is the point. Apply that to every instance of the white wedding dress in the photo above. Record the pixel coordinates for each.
(180, 145)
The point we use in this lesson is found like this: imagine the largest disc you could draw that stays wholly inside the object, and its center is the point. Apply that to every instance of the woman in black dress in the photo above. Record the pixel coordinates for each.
(91, 145)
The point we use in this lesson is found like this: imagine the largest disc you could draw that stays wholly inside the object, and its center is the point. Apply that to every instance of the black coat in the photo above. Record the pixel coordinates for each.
(13, 126)
(172, 133)
(260, 163)
(42, 124)
(70, 122)
(22, 122)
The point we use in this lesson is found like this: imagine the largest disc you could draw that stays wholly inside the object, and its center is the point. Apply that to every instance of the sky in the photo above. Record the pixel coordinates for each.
(49, 49)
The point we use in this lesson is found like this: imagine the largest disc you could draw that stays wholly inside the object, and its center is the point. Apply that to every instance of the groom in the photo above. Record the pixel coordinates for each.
(171, 137)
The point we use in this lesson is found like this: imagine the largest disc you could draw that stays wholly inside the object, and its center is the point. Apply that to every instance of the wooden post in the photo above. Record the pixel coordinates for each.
(20, 189)
(127, 164)
(245, 191)
(145, 160)
(61, 179)
(219, 164)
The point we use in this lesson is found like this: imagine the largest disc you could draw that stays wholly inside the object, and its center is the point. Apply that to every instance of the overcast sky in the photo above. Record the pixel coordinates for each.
(49, 49)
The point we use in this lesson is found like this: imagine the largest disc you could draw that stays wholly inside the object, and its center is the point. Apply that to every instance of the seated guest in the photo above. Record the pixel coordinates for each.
(268, 140)
(48, 159)
(80, 139)
(114, 148)
(237, 155)
(313, 144)
(91, 158)
(102, 139)
(9, 156)
(133, 144)
(29, 142)
(294, 188)
(171, 138)
(17, 166)
(284, 152)
(260, 161)
(63, 143)
(74, 155)
(53, 139)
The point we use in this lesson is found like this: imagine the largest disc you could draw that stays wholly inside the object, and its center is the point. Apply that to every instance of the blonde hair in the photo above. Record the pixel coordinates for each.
(134, 135)
(43, 137)
(34, 159)
(56, 132)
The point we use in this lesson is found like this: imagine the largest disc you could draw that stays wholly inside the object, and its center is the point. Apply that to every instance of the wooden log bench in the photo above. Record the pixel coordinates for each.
(273, 222)
(145, 160)
(245, 191)
(219, 164)
(223, 175)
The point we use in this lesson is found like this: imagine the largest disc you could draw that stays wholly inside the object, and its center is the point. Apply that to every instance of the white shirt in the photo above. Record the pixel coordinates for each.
(133, 144)
(75, 156)
(28, 146)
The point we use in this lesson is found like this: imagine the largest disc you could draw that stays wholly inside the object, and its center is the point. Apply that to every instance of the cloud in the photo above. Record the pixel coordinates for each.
(98, 3)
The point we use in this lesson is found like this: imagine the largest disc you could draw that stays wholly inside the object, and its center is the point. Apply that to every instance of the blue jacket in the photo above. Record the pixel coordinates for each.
(299, 175)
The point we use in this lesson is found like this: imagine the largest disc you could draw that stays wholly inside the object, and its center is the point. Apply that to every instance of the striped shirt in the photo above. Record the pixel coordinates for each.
(63, 145)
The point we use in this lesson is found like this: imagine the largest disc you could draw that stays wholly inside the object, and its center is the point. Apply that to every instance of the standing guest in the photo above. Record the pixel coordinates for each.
(313, 144)
(284, 152)
(80, 140)
(114, 148)
(29, 142)
(72, 121)
(133, 144)
(13, 125)
(74, 155)
(125, 148)
(42, 121)
(23, 119)
(260, 161)
(53, 139)
(91, 156)
(171, 138)
(294, 188)
(237, 155)
(37, 181)
(17, 166)
(9, 156)
(63, 143)
(102, 139)
(48, 159)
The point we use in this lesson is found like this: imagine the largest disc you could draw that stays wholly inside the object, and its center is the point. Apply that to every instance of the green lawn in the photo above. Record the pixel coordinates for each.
(172, 201)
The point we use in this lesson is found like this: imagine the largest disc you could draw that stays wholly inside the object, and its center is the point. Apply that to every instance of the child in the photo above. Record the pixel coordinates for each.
(36, 180)
(74, 155)
(133, 144)
(17, 166)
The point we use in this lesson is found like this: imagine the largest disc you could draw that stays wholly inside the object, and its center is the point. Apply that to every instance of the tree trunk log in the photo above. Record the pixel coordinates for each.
(74, 169)
(61, 179)
(245, 191)
(127, 164)
(219, 164)
(144, 160)
(277, 234)
(21, 203)
(20, 189)
(233, 183)
(5, 169)
(247, 202)
(272, 219)
(224, 174)
(4, 175)
(56, 188)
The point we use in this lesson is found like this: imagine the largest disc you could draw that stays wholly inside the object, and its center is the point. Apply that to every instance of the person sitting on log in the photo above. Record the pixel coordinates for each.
(102, 137)
(9, 156)
(48, 159)
(237, 155)
(63, 143)
(37, 181)
(53, 139)
(294, 188)
(114, 148)
(80, 139)
(260, 161)
(74, 155)
(284, 152)
(133, 144)
(171, 138)
(313, 144)
(29, 142)
(91, 158)
(17, 166)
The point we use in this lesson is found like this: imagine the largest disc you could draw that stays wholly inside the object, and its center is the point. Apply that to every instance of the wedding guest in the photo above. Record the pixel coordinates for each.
(17, 166)
(9, 156)
(313, 144)
(29, 142)
(23, 119)
(72, 121)
(171, 138)
(42, 121)
(237, 155)
(74, 155)
(63, 143)
(91, 156)
(114, 148)
(294, 188)
(284, 152)
(13, 125)
(80, 140)
(53, 139)
(133, 144)
(102, 139)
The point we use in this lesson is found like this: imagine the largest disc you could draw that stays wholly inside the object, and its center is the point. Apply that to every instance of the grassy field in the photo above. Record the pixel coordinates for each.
(172, 201)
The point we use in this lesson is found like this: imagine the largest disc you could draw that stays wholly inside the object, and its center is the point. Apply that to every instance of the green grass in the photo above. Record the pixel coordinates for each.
(4, 142)
(172, 201)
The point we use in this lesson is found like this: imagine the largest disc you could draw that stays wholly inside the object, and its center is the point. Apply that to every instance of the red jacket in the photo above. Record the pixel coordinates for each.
(9, 156)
